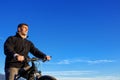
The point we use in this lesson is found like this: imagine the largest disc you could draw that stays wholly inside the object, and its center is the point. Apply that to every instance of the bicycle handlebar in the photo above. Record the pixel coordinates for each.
(36, 59)
(32, 60)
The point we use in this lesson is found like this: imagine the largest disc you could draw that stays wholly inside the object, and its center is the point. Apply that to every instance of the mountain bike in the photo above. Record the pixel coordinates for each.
(33, 69)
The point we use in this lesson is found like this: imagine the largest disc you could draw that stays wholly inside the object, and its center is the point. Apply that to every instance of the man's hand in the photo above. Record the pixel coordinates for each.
(20, 58)
(48, 58)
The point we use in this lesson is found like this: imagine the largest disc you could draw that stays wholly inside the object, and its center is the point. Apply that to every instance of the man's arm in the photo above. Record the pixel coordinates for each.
(36, 52)
(9, 50)
(9, 47)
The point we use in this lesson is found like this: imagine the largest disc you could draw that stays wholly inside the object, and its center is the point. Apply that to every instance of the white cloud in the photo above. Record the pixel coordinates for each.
(100, 61)
(70, 73)
(81, 75)
(91, 78)
(68, 61)
(64, 62)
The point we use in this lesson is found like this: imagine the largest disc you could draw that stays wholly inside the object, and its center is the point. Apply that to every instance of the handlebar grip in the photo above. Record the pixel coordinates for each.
(45, 59)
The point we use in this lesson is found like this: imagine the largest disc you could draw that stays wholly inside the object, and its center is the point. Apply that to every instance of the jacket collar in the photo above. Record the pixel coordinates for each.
(18, 35)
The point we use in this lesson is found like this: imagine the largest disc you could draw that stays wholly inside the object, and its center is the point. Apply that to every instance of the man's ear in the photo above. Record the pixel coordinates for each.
(19, 29)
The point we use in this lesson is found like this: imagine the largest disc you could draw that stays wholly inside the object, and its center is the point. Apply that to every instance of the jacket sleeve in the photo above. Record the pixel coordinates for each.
(36, 52)
(9, 47)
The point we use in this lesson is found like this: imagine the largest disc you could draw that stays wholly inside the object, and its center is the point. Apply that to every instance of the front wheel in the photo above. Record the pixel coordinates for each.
(47, 77)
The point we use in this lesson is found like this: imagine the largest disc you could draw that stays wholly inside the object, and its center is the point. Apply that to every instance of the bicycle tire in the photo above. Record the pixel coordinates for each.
(47, 77)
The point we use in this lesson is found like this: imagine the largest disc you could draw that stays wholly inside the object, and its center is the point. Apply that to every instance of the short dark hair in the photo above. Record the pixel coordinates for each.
(21, 24)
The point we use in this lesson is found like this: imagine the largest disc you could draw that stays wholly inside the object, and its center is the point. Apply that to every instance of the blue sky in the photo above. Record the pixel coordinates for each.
(82, 36)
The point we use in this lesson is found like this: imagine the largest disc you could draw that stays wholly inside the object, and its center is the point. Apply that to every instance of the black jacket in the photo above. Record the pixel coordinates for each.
(16, 44)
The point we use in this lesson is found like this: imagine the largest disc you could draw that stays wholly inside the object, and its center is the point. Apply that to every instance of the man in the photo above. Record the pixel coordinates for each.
(16, 48)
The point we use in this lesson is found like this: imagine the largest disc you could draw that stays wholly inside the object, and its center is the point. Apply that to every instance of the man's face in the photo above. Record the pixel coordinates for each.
(23, 30)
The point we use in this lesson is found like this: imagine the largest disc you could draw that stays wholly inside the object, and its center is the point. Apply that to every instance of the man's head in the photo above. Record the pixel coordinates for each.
(22, 29)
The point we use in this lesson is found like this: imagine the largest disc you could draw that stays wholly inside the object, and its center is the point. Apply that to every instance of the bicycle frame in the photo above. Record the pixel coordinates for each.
(25, 73)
